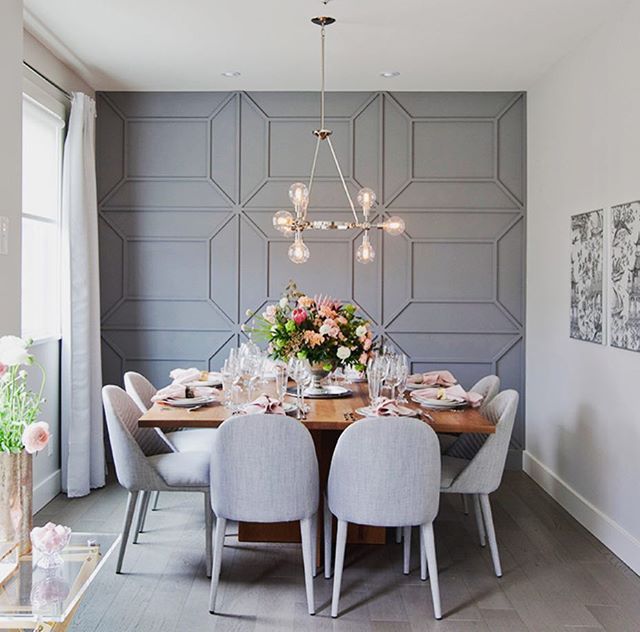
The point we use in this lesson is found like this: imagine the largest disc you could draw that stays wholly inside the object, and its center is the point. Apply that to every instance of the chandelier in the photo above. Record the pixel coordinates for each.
(300, 194)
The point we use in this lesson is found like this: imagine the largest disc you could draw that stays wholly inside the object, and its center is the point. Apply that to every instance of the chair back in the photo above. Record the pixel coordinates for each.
(132, 468)
(484, 472)
(386, 472)
(264, 469)
(488, 387)
(141, 391)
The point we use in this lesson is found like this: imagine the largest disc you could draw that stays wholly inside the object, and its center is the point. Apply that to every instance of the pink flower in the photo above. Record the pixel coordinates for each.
(269, 314)
(299, 315)
(3, 369)
(366, 345)
(51, 538)
(305, 301)
(36, 436)
(364, 356)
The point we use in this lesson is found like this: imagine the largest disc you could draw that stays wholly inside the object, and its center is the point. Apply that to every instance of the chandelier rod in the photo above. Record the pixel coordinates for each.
(322, 73)
(313, 166)
(344, 184)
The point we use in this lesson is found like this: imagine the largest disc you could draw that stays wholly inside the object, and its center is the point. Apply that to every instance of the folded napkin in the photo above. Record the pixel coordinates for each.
(453, 393)
(204, 391)
(173, 391)
(264, 404)
(183, 376)
(386, 408)
(433, 378)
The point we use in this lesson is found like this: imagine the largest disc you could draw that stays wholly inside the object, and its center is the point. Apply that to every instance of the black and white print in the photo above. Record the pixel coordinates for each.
(587, 253)
(625, 276)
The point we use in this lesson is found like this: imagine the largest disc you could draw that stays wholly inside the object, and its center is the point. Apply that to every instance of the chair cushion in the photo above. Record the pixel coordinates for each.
(192, 439)
(451, 467)
(446, 441)
(186, 469)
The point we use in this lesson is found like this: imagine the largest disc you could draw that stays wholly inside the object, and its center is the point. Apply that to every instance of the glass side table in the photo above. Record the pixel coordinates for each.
(44, 600)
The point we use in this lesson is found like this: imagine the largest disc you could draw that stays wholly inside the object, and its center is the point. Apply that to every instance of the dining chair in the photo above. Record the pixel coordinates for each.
(385, 472)
(140, 475)
(141, 391)
(481, 475)
(264, 469)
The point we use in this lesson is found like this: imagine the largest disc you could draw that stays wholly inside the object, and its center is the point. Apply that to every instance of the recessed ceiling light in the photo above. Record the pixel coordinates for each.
(231, 73)
(389, 74)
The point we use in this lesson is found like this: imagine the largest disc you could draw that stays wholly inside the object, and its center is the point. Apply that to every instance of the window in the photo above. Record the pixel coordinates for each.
(42, 141)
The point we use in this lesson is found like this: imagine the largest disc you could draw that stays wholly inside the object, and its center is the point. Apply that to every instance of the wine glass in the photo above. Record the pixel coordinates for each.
(402, 368)
(376, 370)
(300, 373)
(281, 372)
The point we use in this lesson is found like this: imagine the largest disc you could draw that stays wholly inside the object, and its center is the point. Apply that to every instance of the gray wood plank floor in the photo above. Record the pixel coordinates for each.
(557, 577)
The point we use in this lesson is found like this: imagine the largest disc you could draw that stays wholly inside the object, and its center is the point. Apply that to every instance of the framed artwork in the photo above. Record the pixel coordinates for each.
(625, 276)
(587, 254)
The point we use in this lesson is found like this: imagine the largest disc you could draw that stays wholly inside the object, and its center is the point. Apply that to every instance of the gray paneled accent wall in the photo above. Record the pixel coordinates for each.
(188, 183)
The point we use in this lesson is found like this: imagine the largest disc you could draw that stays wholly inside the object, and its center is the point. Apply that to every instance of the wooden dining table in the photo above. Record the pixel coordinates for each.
(325, 419)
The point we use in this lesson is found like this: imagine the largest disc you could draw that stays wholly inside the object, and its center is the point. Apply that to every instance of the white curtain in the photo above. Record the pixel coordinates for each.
(82, 441)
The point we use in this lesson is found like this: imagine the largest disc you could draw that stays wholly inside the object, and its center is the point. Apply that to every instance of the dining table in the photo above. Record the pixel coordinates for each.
(325, 419)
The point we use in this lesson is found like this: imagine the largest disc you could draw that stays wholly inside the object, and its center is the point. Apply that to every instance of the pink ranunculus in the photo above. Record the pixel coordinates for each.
(299, 315)
(36, 436)
(3, 369)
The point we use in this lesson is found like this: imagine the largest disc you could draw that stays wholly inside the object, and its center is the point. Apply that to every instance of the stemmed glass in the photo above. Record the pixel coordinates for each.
(300, 373)
(376, 371)
(281, 372)
(402, 373)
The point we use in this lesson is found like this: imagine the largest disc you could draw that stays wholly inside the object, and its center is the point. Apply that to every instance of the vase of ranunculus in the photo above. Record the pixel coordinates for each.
(21, 435)
(322, 330)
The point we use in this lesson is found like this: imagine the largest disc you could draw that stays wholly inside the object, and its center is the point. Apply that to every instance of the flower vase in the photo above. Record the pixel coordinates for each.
(318, 373)
(16, 500)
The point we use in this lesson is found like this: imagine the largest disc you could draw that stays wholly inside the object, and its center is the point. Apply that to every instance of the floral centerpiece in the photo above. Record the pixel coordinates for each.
(21, 434)
(327, 333)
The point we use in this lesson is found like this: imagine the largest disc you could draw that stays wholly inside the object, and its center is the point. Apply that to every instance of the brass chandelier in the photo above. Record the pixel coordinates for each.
(299, 193)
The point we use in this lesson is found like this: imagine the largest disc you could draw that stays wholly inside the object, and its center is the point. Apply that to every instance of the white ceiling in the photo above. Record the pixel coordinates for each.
(435, 44)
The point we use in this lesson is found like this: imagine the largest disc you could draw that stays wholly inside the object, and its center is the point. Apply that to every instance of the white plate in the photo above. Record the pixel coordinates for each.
(214, 380)
(190, 402)
(365, 411)
(439, 403)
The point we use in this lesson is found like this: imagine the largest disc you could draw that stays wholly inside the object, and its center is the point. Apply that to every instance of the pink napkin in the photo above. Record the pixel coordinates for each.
(386, 408)
(454, 393)
(264, 404)
(173, 391)
(433, 378)
(205, 391)
(183, 376)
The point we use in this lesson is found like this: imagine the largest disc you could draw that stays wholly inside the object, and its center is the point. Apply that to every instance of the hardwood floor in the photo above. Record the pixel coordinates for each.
(557, 577)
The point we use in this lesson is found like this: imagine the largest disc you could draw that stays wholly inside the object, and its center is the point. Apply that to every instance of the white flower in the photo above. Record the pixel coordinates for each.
(324, 329)
(361, 331)
(283, 302)
(248, 313)
(13, 350)
(243, 327)
(343, 352)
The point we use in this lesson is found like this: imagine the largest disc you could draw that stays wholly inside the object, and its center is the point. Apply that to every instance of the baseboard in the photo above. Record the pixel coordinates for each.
(45, 491)
(608, 531)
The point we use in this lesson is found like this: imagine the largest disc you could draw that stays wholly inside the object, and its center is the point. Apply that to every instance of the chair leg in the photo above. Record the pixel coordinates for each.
(491, 533)
(308, 560)
(423, 558)
(398, 535)
(407, 550)
(314, 540)
(218, 542)
(156, 497)
(128, 518)
(341, 542)
(142, 513)
(479, 521)
(208, 529)
(327, 528)
(465, 504)
(430, 545)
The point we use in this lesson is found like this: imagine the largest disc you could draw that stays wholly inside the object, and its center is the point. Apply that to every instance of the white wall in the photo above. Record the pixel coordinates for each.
(10, 160)
(583, 418)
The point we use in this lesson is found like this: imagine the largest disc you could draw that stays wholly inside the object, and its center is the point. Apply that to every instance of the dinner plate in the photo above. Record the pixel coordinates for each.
(332, 391)
(365, 411)
(444, 404)
(214, 379)
(190, 402)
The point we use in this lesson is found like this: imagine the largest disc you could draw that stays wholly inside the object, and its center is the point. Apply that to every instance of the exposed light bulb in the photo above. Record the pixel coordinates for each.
(282, 221)
(299, 196)
(298, 251)
(394, 225)
(366, 198)
(365, 252)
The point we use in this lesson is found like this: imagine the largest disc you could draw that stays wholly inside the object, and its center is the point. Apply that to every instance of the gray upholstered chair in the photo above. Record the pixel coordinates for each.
(482, 474)
(264, 469)
(141, 390)
(386, 472)
(140, 475)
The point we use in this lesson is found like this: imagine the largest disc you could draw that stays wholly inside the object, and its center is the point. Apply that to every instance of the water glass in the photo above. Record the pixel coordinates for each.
(300, 373)
(281, 372)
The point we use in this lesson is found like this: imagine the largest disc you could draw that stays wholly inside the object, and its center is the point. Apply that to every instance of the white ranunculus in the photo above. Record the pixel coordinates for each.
(361, 331)
(324, 329)
(343, 352)
(284, 302)
(13, 350)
